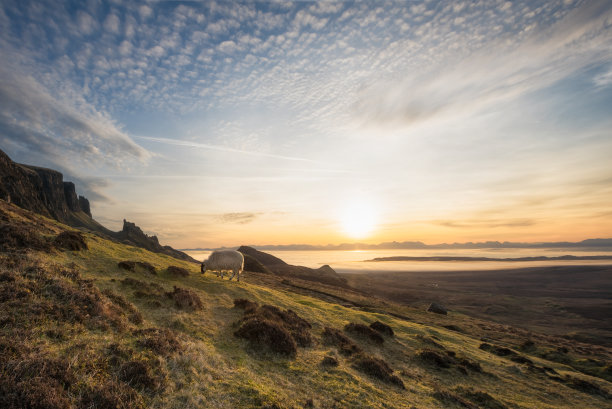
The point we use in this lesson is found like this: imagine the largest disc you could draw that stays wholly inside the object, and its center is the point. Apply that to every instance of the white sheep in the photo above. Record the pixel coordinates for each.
(224, 260)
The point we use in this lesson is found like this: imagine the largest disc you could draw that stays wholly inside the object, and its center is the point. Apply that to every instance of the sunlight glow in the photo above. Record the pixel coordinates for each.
(358, 219)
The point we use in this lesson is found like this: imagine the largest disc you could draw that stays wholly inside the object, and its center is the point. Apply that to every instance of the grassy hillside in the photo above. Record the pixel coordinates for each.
(76, 330)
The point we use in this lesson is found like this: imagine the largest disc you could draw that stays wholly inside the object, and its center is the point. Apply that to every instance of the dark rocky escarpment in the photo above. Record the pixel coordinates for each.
(324, 274)
(37, 189)
(44, 191)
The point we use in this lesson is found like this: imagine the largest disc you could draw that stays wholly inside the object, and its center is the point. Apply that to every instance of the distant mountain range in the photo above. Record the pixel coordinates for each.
(416, 245)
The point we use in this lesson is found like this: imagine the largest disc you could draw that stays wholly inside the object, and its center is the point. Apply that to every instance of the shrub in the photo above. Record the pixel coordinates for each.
(329, 361)
(111, 395)
(582, 385)
(133, 314)
(435, 358)
(449, 398)
(263, 333)
(297, 326)
(382, 328)
(70, 240)
(377, 368)
(246, 305)
(480, 398)
(177, 271)
(15, 237)
(364, 331)
(469, 364)
(185, 299)
(263, 325)
(140, 375)
(36, 382)
(131, 266)
(127, 265)
(162, 341)
(346, 346)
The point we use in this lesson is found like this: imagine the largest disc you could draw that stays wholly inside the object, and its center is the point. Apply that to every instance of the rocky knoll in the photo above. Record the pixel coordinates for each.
(132, 234)
(324, 274)
(44, 191)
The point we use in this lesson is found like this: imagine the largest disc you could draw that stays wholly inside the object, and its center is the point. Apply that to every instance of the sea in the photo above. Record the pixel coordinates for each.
(358, 260)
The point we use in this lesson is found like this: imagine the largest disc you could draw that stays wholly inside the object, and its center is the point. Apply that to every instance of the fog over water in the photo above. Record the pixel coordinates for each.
(348, 261)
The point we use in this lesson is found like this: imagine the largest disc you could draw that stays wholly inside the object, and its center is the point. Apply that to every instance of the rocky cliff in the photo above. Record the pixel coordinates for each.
(44, 191)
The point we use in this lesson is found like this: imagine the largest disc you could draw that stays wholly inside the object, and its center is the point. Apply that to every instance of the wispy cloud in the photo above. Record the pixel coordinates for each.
(500, 71)
(35, 120)
(238, 217)
(191, 144)
(485, 223)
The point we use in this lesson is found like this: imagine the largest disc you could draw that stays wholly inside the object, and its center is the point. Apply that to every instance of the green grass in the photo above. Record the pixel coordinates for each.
(215, 369)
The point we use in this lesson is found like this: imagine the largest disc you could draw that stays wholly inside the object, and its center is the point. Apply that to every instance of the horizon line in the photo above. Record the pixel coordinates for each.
(607, 242)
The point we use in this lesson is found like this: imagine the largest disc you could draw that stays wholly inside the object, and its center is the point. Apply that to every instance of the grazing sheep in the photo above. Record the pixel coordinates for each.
(224, 260)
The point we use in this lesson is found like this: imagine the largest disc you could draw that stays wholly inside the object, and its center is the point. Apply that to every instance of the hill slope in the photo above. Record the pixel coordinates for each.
(77, 330)
(44, 191)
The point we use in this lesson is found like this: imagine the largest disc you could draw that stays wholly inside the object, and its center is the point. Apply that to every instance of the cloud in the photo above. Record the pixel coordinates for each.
(68, 134)
(238, 217)
(86, 23)
(223, 149)
(112, 23)
(604, 79)
(485, 223)
(145, 11)
(500, 71)
(90, 187)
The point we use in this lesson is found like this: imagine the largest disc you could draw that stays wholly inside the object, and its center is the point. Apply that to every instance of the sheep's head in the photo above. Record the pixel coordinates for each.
(203, 267)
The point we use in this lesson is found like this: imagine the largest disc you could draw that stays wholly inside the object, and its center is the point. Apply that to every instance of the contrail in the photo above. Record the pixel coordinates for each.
(222, 148)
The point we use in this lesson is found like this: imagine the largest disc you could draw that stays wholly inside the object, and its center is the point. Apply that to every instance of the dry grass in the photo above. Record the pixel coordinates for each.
(68, 317)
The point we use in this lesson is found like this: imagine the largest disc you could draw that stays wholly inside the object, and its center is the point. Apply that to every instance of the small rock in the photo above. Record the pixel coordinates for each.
(437, 308)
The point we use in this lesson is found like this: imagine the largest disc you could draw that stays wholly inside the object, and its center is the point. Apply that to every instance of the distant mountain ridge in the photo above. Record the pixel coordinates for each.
(44, 191)
(415, 245)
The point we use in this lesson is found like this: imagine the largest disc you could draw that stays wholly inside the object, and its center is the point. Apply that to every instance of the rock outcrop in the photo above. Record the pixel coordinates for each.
(44, 191)
(324, 274)
(132, 234)
(437, 308)
(264, 258)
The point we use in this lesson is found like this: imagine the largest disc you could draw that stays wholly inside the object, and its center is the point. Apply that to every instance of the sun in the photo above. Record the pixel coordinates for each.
(358, 219)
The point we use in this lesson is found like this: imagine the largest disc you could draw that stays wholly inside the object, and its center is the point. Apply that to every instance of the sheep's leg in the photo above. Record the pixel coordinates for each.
(238, 278)
(233, 274)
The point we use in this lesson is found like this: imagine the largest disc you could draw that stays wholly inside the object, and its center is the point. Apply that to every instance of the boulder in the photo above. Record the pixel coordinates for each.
(437, 308)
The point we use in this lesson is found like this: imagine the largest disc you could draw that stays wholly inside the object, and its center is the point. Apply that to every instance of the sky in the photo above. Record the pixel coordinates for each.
(221, 123)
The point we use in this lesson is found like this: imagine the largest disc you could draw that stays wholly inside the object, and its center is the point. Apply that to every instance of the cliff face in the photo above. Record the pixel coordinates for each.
(44, 191)
(38, 189)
